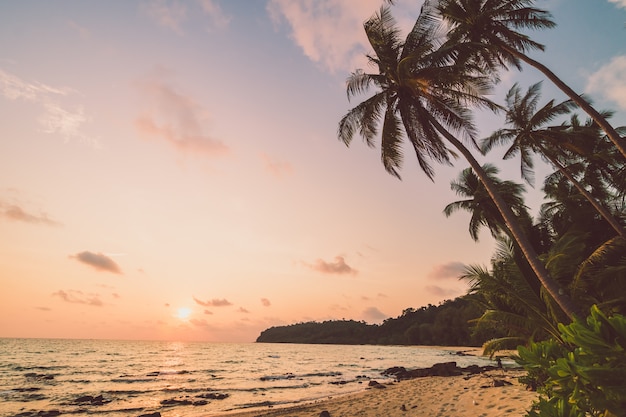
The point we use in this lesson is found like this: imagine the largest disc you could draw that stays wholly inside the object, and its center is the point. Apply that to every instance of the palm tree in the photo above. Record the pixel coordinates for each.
(488, 27)
(424, 95)
(510, 302)
(478, 202)
(527, 135)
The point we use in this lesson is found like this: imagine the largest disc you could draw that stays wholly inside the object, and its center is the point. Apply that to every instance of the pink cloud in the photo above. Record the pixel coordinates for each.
(448, 270)
(276, 167)
(175, 118)
(213, 303)
(265, 302)
(16, 213)
(98, 261)
(338, 266)
(78, 297)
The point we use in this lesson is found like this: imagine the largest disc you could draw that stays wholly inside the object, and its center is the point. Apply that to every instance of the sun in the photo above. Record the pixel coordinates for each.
(183, 313)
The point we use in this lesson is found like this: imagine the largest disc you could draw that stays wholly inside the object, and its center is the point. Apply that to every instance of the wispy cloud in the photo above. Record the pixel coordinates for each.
(265, 302)
(610, 81)
(276, 167)
(374, 315)
(338, 266)
(15, 212)
(56, 118)
(619, 3)
(78, 297)
(450, 270)
(98, 261)
(168, 14)
(212, 9)
(243, 310)
(213, 303)
(172, 14)
(176, 118)
(330, 32)
(443, 292)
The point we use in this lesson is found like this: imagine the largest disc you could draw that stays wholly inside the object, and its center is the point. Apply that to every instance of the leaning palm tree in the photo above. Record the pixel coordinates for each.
(489, 28)
(527, 136)
(479, 203)
(425, 96)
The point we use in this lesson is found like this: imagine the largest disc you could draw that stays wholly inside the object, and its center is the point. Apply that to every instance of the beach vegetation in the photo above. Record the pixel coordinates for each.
(584, 375)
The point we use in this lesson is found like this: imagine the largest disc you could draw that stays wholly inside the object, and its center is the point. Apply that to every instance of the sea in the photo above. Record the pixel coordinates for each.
(47, 377)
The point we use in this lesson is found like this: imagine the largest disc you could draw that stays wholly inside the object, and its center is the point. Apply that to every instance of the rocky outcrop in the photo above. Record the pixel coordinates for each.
(438, 369)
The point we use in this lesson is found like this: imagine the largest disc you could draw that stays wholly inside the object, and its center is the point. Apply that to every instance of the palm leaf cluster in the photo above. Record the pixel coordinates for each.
(425, 88)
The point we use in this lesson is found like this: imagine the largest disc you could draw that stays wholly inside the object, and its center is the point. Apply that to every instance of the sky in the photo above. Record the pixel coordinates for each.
(170, 170)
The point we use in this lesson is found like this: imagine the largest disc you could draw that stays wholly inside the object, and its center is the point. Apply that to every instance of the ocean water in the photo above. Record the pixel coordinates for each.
(130, 378)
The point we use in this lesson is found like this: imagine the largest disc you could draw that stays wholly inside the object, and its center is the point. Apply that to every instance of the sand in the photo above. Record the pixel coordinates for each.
(459, 396)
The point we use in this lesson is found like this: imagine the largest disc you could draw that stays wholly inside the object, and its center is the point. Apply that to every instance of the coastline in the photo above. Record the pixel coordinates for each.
(493, 393)
(459, 396)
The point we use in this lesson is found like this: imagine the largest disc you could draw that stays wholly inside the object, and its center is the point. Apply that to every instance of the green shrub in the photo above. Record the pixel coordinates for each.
(586, 376)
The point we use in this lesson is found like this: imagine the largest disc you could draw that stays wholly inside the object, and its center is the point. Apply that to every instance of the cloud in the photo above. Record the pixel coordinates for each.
(213, 10)
(78, 297)
(447, 271)
(275, 167)
(619, 3)
(44, 308)
(243, 310)
(16, 213)
(176, 118)
(339, 266)
(374, 315)
(610, 81)
(329, 32)
(168, 14)
(213, 303)
(98, 261)
(56, 118)
(207, 312)
(443, 292)
(265, 302)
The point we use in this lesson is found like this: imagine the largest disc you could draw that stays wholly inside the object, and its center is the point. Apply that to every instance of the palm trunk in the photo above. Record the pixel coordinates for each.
(551, 286)
(582, 103)
(603, 211)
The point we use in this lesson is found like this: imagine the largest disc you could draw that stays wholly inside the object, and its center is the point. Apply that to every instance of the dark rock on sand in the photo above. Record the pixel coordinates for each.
(91, 400)
(155, 414)
(376, 384)
(213, 396)
(438, 369)
(324, 414)
(42, 413)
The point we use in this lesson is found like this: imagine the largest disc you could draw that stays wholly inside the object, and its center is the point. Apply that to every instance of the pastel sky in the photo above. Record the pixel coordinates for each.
(171, 170)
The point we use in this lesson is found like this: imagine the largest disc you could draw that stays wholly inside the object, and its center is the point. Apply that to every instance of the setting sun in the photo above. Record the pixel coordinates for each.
(183, 313)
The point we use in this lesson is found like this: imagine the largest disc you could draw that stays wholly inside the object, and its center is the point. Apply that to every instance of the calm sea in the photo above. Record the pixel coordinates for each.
(130, 378)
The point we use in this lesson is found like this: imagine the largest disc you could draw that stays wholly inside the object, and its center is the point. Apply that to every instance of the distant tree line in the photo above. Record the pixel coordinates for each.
(449, 324)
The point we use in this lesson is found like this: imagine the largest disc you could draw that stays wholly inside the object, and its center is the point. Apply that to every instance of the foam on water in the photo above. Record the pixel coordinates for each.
(86, 377)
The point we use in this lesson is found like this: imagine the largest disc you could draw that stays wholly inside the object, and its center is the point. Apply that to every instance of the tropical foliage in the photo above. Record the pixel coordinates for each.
(584, 375)
(546, 270)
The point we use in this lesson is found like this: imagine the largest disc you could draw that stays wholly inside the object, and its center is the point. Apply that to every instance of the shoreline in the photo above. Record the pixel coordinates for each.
(492, 393)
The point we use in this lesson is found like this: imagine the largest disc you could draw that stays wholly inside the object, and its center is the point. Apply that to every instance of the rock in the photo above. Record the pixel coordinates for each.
(175, 401)
(213, 396)
(376, 384)
(156, 373)
(91, 400)
(324, 414)
(155, 414)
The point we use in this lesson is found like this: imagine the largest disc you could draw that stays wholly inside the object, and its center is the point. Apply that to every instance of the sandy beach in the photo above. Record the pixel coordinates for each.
(490, 394)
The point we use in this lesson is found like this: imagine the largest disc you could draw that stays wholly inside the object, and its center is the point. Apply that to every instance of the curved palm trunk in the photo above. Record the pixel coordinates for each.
(606, 214)
(551, 286)
(582, 103)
